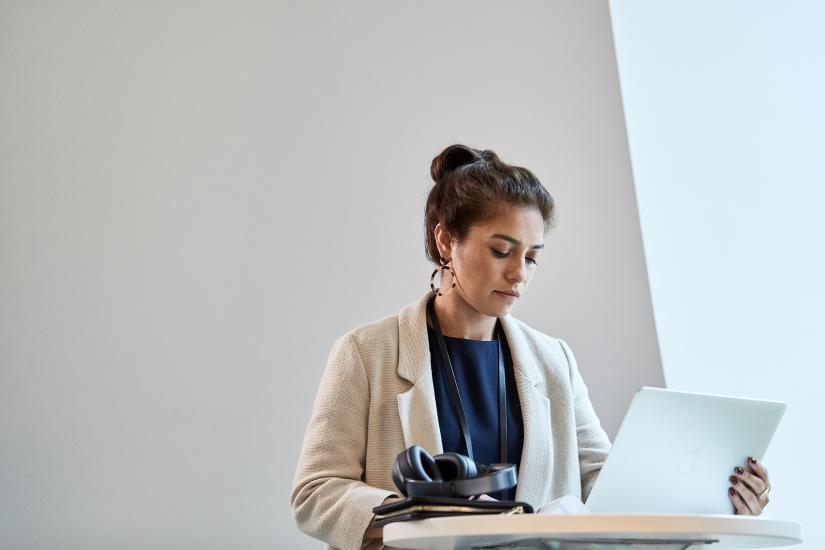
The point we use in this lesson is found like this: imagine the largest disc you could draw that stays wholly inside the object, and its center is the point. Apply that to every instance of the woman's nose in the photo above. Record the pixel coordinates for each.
(518, 271)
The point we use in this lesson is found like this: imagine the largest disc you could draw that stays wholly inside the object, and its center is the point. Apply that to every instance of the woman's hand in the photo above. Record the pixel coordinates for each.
(749, 488)
(378, 532)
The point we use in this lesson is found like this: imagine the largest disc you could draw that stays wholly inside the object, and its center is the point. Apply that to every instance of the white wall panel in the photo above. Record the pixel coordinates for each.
(726, 125)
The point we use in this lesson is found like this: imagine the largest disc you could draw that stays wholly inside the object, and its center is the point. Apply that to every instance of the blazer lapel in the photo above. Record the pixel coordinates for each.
(537, 454)
(416, 406)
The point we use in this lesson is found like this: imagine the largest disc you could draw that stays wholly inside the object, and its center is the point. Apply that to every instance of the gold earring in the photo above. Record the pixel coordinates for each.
(445, 266)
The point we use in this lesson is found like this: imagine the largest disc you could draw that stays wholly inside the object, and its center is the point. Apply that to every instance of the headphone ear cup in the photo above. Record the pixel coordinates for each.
(454, 466)
(423, 464)
(414, 464)
(397, 476)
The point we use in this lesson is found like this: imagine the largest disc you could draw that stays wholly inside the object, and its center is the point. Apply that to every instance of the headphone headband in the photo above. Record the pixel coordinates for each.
(498, 477)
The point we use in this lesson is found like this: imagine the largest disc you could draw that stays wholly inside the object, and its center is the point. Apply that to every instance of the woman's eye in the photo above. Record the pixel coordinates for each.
(500, 254)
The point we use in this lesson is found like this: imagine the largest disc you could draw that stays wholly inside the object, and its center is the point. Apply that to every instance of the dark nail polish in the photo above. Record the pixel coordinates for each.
(734, 479)
(752, 460)
(731, 491)
(739, 470)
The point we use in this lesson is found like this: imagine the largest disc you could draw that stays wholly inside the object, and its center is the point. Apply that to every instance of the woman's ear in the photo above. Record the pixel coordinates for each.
(444, 242)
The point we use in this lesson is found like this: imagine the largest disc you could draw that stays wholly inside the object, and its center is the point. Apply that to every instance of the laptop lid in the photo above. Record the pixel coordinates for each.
(675, 450)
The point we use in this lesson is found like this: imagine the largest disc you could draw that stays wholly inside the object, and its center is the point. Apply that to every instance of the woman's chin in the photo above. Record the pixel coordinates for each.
(500, 310)
(493, 306)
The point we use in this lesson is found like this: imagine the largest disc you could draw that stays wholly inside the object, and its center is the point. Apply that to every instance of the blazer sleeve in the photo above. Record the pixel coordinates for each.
(329, 499)
(592, 440)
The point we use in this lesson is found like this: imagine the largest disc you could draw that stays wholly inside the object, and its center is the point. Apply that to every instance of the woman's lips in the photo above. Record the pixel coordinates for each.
(506, 295)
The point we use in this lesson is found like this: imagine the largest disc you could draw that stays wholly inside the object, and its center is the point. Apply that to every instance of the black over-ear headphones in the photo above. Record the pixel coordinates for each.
(416, 473)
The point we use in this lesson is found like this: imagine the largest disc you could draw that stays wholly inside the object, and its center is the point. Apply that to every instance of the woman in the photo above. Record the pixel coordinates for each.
(385, 387)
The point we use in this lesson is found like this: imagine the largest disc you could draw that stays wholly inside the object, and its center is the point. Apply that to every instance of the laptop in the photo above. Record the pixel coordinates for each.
(675, 451)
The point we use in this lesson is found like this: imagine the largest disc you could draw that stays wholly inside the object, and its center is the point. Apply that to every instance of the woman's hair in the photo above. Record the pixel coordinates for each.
(470, 185)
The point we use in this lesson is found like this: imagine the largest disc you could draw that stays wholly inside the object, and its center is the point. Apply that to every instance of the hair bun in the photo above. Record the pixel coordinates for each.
(488, 154)
(452, 158)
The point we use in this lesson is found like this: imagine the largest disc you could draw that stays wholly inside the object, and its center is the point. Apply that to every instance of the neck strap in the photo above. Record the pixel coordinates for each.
(455, 396)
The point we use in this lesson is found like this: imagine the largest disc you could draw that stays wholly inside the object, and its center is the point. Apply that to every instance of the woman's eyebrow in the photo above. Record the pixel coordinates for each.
(513, 240)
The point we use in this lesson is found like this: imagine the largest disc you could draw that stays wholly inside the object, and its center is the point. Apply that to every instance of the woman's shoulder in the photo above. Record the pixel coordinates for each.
(374, 332)
(384, 332)
(549, 349)
(534, 335)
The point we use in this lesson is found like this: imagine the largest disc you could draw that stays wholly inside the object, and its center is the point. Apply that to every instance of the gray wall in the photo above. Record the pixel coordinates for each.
(196, 199)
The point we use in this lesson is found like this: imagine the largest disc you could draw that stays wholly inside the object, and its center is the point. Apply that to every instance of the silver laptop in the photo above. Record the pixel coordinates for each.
(675, 451)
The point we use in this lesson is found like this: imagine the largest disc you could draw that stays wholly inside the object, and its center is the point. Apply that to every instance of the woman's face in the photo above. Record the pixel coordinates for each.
(496, 261)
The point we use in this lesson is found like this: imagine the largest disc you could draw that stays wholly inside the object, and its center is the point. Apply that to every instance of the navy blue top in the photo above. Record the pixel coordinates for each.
(475, 363)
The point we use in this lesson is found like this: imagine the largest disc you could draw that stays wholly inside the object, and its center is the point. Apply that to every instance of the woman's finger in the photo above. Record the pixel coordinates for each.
(741, 508)
(753, 481)
(745, 494)
(759, 469)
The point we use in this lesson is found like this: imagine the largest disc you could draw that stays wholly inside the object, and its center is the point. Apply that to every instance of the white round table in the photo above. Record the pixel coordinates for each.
(592, 532)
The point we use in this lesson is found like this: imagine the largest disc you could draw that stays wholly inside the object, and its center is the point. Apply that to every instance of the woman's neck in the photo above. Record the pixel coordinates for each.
(458, 319)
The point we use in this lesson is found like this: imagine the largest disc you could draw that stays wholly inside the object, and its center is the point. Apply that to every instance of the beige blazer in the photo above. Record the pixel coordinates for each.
(376, 398)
